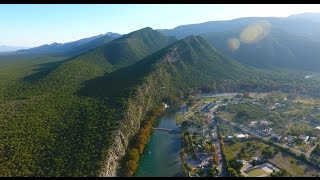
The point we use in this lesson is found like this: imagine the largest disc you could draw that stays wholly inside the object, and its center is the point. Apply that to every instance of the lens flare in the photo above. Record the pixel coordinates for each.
(233, 44)
(255, 32)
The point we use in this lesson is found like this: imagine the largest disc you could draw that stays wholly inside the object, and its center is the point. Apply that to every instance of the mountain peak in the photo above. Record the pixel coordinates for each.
(143, 30)
(134, 46)
(113, 35)
(147, 28)
(193, 41)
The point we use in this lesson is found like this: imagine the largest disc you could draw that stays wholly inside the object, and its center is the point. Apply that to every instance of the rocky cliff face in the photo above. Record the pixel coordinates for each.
(146, 96)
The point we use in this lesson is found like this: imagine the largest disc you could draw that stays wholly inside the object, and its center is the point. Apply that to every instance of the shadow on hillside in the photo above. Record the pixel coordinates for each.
(116, 85)
(42, 70)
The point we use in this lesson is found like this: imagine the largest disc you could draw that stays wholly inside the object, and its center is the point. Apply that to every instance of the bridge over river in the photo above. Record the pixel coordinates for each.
(176, 130)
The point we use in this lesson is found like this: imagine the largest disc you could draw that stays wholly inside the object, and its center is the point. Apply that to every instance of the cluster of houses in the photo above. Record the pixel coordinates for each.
(262, 127)
(261, 122)
(238, 136)
(290, 140)
(265, 132)
(210, 107)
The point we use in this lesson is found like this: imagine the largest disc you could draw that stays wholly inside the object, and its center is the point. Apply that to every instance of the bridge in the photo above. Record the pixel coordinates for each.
(163, 129)
(177, 130)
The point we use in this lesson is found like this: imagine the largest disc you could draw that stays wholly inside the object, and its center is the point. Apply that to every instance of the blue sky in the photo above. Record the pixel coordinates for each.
(33, 25)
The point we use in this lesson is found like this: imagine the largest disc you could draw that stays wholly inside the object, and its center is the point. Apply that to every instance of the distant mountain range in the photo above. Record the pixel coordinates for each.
(291, 42)
(299, 24)
(5, 48)
(71, 48)
(282, 47)
(307, 16)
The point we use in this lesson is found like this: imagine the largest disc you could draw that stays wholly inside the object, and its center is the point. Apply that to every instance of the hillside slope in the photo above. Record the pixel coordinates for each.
(48, 129)
(277, 50)
(290, 43)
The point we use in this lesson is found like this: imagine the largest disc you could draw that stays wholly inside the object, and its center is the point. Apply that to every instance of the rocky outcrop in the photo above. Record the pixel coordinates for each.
(146, 96)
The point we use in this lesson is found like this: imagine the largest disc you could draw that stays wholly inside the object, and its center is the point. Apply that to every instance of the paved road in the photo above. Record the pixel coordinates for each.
(310, 150)
(221, 165)
(216, 142)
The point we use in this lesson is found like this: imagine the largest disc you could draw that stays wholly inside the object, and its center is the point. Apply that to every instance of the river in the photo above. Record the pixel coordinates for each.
(161, 155)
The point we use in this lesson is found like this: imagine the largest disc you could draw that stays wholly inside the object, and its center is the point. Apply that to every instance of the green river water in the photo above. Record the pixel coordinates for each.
(161, 154)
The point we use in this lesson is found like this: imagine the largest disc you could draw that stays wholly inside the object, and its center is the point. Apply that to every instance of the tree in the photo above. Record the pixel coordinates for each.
(129, 173)
(246, 95)
(303, 156)
(280, 173)
(254, 162)
(232, 172)
(266, 153)
(134, 154)
(132, 165)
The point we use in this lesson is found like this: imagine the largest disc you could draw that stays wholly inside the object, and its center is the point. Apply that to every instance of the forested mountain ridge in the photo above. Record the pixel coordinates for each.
(192, 53)
(134, 46)
(64, 134)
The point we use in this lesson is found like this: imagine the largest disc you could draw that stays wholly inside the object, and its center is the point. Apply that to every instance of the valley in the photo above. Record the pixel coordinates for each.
(214, 99)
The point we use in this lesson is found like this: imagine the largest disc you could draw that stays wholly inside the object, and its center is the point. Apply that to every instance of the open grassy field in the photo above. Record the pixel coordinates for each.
(293, 166)
(257, 172)
(226, 115)
(254, 149)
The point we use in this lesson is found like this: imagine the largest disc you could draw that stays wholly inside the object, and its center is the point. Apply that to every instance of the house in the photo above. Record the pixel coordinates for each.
(273, 107)
(256, 159)
(230, 137)
(209, 107)
(264, 122)
(165, 105)
(241, 161)
(242, 136)
(253, 123)
(304, 138)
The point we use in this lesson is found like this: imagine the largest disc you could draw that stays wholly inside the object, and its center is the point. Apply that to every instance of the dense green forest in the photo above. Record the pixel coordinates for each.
(48, 129)
(61, 120)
